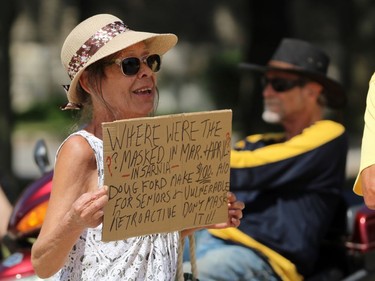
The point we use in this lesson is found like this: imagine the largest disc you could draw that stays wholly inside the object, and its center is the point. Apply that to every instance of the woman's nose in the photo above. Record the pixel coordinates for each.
(144, 70)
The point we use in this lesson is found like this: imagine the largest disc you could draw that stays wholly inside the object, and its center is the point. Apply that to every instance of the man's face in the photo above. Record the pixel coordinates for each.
(284, 96)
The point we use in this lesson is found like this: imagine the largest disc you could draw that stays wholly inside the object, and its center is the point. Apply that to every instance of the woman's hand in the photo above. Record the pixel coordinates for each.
(234, 216)
(368, 186)
(87, 210)
(234, 213)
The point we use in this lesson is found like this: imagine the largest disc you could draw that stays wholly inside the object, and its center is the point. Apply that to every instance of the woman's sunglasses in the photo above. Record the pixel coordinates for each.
(283, 85)
(130, 66)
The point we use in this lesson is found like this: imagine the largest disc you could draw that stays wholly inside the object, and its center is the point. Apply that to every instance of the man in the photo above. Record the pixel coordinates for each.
(290, 182)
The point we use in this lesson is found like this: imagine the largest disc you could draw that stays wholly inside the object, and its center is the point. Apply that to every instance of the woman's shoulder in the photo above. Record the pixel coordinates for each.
(75, 148)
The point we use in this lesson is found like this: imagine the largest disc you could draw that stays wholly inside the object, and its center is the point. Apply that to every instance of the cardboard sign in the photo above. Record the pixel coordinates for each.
(166, 173)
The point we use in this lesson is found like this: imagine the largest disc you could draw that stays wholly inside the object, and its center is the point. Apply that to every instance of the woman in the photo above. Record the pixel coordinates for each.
(112, 69)
(364, 184)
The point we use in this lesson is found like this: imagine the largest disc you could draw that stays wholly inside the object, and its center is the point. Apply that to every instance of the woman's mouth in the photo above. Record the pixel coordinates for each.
(143, 91)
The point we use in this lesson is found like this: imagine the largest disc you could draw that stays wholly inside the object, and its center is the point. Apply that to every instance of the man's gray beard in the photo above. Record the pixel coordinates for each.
(271, 117)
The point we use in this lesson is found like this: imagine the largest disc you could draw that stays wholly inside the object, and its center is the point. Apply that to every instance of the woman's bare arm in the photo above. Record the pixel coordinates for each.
(368, 186)
(75, 204)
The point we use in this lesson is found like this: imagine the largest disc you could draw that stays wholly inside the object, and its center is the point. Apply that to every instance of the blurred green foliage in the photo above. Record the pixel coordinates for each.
(46, 116)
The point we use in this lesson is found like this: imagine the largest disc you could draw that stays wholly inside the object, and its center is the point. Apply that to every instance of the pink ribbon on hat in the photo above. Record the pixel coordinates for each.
(93, 44)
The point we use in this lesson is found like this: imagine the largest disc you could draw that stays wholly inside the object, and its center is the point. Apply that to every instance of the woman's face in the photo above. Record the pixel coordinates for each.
(128, 96)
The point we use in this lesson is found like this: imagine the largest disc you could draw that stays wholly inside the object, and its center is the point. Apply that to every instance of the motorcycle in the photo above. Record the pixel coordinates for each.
(361, 246)
(26, 220)
(348, 250)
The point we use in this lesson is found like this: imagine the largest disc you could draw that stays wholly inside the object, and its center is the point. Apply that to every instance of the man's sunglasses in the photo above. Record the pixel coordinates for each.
(130, 66)
(283, 85)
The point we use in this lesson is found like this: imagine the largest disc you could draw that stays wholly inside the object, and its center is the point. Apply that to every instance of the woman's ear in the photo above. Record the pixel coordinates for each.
(84, 82)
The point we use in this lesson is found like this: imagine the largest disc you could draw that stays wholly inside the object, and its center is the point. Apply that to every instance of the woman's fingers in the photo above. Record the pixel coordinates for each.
(233, 203)
(88, 208)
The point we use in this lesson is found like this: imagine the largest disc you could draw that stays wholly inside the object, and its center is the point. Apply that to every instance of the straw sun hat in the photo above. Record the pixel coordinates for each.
(100, 36)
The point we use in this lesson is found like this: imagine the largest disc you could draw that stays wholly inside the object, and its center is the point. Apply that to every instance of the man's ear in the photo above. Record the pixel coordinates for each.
(315, 89)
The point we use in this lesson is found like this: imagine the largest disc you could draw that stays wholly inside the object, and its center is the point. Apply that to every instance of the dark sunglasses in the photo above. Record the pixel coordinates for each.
(283, 85)
(130, 66)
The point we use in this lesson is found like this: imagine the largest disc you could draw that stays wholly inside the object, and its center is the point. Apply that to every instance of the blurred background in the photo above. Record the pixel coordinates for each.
(200, 73)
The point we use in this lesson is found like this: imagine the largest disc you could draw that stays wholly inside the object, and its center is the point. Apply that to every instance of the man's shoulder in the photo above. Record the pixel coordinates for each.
(319, 134)
(329, 124)
(260, 140)
(266, 137)
(326, 129)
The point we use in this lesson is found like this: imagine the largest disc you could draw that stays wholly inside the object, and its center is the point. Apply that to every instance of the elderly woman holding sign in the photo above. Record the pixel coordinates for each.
(112, 70)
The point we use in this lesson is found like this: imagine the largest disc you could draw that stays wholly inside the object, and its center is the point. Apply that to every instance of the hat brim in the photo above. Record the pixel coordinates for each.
(334, 92)
(156, 44)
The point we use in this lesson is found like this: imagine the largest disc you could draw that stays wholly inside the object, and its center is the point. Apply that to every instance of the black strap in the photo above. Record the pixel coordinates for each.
(189, 277)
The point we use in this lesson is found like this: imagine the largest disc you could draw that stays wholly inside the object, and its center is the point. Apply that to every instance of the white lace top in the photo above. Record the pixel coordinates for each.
(150, 257)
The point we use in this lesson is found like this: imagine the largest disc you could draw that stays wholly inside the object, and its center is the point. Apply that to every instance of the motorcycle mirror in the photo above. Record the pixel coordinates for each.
(41, 156)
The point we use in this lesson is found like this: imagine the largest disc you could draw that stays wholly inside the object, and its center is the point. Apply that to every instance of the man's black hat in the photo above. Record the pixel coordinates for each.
(307, 61)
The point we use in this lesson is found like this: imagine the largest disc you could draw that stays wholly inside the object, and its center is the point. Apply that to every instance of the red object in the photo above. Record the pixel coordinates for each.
(16, 266)
(35, 194)
(363, 237)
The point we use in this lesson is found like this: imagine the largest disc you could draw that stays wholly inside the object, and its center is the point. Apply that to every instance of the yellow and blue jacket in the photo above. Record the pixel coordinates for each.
(290, 189)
